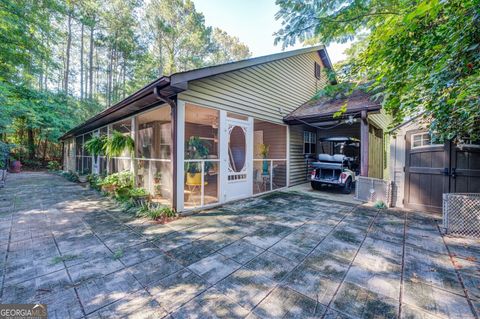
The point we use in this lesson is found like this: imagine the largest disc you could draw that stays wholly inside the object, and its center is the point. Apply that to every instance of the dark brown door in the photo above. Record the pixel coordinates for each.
(431, 170)
(425, 175)
(465, 169)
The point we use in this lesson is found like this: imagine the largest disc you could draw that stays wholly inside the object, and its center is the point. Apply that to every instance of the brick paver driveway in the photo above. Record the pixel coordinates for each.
(284, 255)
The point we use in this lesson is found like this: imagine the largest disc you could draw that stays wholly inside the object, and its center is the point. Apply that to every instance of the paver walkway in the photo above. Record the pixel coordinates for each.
(284, 255)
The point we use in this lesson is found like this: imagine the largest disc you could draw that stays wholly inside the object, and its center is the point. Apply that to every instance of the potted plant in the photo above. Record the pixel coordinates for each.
(16, 165)
(95, 146)
(117, 144)
(264, 150)
(196, 149)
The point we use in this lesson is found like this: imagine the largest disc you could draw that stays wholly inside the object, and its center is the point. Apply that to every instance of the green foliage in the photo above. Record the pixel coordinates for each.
(61, 259)
(53, 166)
(95, 181)
(61, 61)
(420, 56)
(121, 182)
(117, 144)
(138, 192)
(4, 154)
(71, 176)
(155, 212)
(196, 149)
(380, 204)
(95, 145)
(264, 150)
(118, 254)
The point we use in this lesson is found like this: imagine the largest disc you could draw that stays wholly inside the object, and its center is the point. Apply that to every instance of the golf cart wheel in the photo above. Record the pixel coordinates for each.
(316, 185)
(347, 189)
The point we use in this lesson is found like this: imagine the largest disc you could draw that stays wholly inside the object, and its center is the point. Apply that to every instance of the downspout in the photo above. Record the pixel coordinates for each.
(173, 153)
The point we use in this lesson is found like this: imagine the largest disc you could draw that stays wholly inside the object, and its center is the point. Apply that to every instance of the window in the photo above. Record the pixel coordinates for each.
(309, 142)
(317, 71)
(422, 140)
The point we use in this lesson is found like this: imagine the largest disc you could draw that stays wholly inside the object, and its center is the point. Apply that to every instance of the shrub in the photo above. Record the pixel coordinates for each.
(4, 154)
(155, 211)
(32, 164)
(380, 204)
(71, 176)
(138, 192)
(95, 181)
(53, 166)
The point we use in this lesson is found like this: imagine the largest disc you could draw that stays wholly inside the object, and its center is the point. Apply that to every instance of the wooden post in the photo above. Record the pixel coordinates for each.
(364, 144)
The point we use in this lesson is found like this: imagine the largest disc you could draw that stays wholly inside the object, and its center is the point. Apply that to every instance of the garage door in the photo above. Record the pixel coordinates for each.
(433, 169)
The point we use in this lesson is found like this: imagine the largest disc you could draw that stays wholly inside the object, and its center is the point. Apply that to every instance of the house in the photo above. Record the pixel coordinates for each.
(201, 136)
(423, 169)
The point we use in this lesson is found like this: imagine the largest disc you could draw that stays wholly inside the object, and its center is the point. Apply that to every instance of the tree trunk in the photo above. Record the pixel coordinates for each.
(91, 63)
(31, 144)
(45, 148)
(69, 45)
(81, 63)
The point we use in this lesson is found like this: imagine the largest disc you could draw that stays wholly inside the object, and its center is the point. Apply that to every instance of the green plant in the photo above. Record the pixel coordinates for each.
(53, 166)
(118, 254)
(95, 181)
(379, 204)
(71, 176)
(138, 192)
(154, 212)
(59, 259)
(4, 154)
(196, 149)
(264, 150)
(95, 145)
(117, 144)
(122, 179)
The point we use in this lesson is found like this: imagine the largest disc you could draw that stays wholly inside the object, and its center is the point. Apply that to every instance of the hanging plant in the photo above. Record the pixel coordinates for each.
(117, 144)
(95, 145)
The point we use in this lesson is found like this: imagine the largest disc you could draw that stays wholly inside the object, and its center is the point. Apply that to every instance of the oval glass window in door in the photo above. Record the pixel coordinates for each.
(237, 153)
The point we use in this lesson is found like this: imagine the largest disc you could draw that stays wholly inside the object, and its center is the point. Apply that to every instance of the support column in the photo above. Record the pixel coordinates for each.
(178, 185)
(364, 144)
(174, 155)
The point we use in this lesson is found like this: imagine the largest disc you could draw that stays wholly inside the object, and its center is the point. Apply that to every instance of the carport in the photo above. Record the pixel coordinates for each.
(363, 120)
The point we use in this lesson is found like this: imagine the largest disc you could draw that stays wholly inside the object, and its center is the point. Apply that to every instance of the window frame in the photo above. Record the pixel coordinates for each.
(422, 140)
(309, 138)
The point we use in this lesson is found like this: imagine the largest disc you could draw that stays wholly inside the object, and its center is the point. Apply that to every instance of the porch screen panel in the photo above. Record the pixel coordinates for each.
(270, 156)
(201, 156)
(122, 162)
(153, 143)
(102, 160)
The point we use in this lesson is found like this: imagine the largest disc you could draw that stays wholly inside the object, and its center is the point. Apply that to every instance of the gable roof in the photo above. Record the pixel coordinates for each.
(175, 83)
(325, 107)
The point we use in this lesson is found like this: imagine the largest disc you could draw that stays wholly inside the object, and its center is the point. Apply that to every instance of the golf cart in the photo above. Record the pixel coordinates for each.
(338, 169)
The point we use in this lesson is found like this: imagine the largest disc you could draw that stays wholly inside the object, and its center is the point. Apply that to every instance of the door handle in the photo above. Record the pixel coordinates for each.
(454, 174)
(446, 171)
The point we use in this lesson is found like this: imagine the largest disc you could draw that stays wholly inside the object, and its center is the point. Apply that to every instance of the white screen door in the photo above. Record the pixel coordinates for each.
(238, 155)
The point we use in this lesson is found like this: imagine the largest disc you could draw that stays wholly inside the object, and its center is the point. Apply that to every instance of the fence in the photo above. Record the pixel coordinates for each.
(461, 214)
(373, 189)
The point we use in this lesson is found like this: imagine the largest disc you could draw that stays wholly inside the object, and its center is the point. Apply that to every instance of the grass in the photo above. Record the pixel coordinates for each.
(118, 254)
(60, 259)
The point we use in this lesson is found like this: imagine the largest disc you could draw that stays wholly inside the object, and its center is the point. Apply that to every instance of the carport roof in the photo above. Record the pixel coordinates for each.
(324, 108)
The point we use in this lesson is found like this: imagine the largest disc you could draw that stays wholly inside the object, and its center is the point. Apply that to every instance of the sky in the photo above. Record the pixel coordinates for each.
(253, 22)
